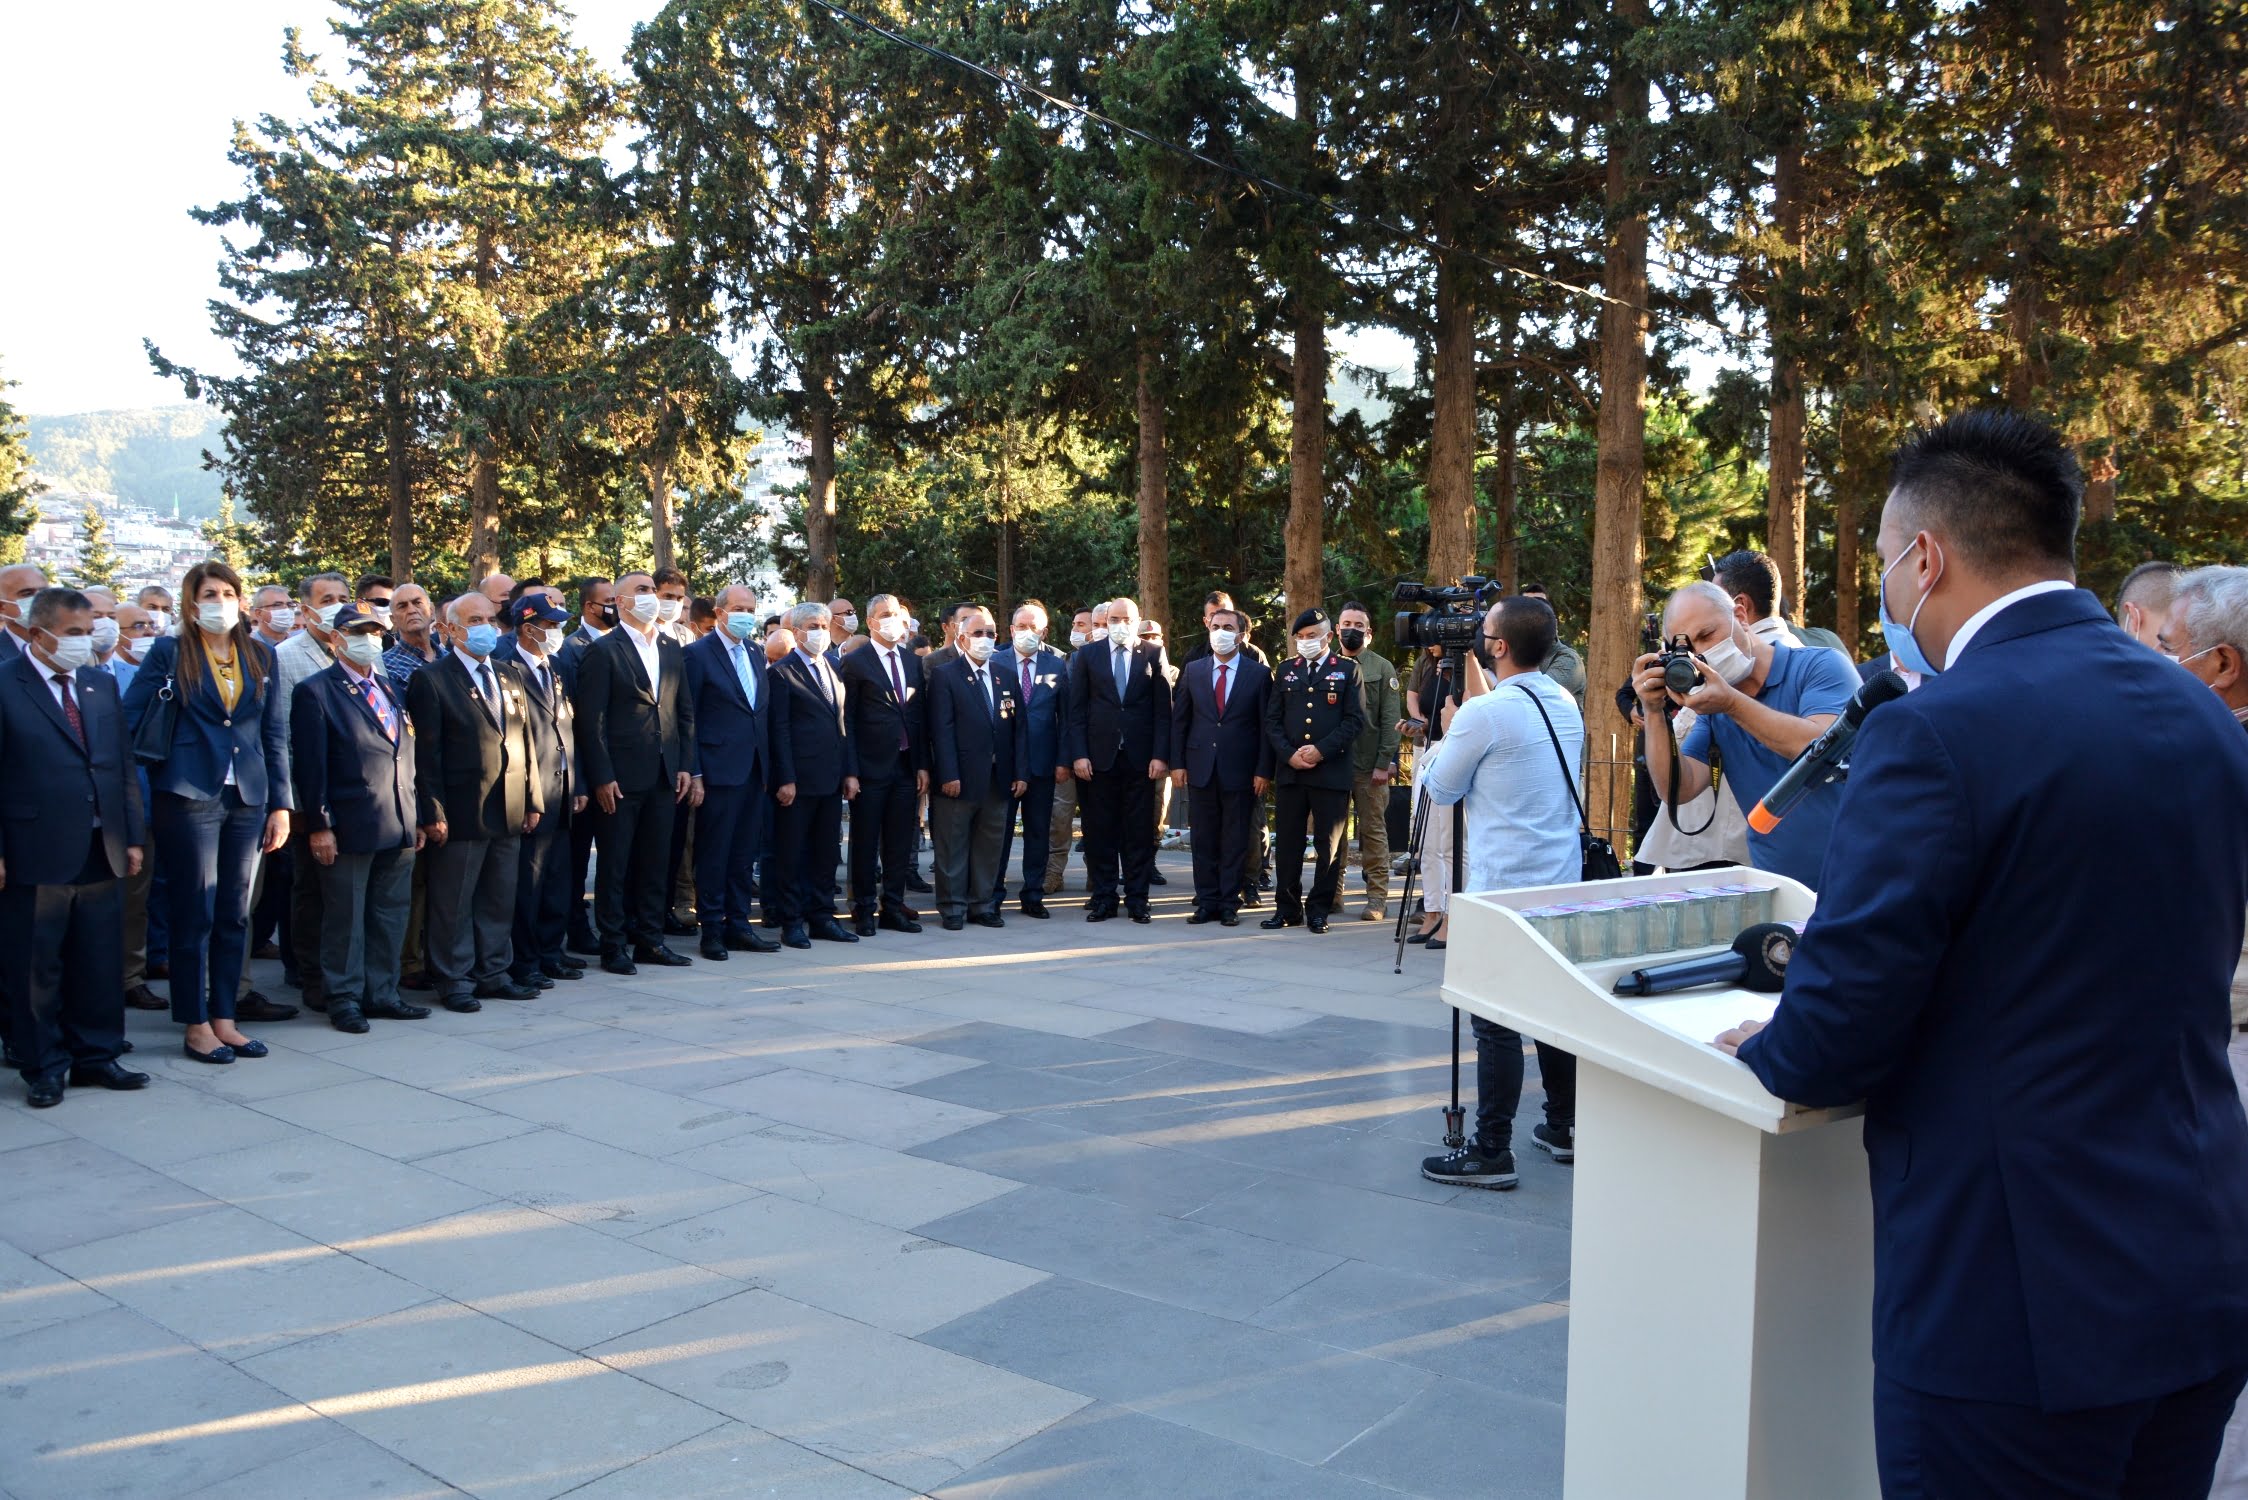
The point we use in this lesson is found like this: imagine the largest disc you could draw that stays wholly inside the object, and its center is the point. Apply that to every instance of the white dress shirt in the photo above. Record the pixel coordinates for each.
(651, 653)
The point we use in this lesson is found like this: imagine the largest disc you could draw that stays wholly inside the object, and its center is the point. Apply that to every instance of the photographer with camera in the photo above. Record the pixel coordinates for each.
(1512, 755)
(1759, 702)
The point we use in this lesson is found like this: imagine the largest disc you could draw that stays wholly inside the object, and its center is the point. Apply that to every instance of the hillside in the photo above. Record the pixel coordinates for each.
(151, 456)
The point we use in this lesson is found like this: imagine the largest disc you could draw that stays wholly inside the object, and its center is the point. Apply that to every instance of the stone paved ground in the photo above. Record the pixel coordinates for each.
(1060, 1211)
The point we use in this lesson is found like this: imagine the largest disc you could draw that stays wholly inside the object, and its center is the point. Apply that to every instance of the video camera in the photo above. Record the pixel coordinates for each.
(1453, 619)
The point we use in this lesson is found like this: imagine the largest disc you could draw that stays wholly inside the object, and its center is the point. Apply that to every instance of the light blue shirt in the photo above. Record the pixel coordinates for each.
(1521, 813)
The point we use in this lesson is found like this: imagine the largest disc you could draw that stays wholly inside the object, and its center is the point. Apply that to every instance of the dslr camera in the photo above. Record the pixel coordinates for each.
(1453, 619)
(1681, 673)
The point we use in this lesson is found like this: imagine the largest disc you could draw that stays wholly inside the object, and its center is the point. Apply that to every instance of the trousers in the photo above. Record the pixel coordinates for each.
(64, 968)
(472, 912)
(1324, 809)
(209, 846)
(1498, 1084)
(365, 897)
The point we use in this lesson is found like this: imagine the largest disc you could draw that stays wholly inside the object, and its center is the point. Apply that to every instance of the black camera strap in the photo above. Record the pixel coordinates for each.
(1670, 803)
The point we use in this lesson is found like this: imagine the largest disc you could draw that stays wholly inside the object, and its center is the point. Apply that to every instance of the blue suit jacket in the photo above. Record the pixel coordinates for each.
(350, 779)
(1045, 712)
(55, 784)
(733, 741)
(965, 745)
(1229, 752)
(211, 737)
(811, 737)
(2021, 961)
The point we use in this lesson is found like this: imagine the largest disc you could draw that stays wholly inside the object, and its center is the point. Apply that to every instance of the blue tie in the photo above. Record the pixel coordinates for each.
(1123, 670)
(749, 678)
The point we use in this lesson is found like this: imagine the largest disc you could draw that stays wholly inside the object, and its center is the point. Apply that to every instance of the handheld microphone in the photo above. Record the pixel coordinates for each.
(1757, 961)
(1816, 764)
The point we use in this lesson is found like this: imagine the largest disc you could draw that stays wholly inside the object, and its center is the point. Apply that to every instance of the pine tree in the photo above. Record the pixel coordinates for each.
(18, 512)
(97, 559)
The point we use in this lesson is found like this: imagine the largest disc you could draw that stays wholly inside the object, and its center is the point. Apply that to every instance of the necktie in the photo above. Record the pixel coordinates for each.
(1123, 670)
(381, 707)
(1221, 689)
(897, 684)
(546, 684)
(70, 708)
(991, 699)
(491, 696)
(748, 677)
(1024, 663)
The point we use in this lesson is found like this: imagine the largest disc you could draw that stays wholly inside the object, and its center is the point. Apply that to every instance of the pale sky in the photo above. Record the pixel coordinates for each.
(116, 120)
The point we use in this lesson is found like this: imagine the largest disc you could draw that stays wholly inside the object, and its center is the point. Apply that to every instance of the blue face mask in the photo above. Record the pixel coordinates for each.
(482, 638)
(1902, 643)
(740, 625)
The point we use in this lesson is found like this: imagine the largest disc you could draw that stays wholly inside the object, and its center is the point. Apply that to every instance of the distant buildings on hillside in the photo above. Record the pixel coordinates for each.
(150, 547)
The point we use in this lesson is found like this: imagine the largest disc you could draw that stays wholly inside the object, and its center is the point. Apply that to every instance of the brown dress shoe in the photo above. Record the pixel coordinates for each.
(141, 997)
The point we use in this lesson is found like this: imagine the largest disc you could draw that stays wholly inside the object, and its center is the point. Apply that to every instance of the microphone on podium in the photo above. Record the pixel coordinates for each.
(1757, 961)
(1816, 764)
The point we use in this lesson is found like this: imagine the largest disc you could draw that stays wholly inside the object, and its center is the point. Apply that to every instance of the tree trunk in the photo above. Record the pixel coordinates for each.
(661, 456)
(1847, 589)
(398, 473)
(1784, 521)
(1619, 485)
(2038, 157)
(1305, 539)
(819, 499)
(483, 508)
(1506, 558)
(1451, 443)
(1155, 501)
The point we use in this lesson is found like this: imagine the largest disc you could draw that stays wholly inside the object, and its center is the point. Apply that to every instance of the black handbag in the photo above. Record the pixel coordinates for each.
(152, 737)
(1599, 861)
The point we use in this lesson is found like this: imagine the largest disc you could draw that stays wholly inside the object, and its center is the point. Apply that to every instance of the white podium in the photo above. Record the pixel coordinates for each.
(1721, 1259)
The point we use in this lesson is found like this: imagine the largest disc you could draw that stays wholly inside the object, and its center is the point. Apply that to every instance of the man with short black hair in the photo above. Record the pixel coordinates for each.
(1312, 720)
(1752, 580)
(1565, 666)
(1220, 756)
(2142, 604)
(815, 771)
(1373, 758)
(2057, 1154)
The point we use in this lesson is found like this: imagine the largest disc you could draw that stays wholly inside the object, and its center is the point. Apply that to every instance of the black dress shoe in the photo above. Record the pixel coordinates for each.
(988, 919)
(1250, 897)
(422, 983)
(505, 989)
(1142, 915)
(462, 1005)
(1034, 906)
(45, 1094)
(127, 1044)
(1436, 945)
(661, 956)
(389, 1010)
(141, 997)
(914, 882)
(769, 920)
(222, 1053)
(714, 948)
(750, 940)
(1156, 877)
(532, 980)
(1317, 924)
(257, 1007)
(110, 1074)
(618, 963)
(582, 940)
(864, 925)
(890, 921)
(828, 930)
(563, 971)
(1229, 920)
(673, 927)
(1200, 919)
(955, 924)
(347, 1018)
(1279, 920)
(1418, 937)
(1099, 911)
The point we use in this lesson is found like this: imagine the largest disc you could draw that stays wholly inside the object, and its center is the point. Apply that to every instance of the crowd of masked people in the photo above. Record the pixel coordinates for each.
(473, 798)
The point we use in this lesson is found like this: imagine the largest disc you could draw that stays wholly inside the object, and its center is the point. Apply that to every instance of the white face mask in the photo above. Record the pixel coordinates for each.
(1309, 649)
(71, 651)
(162, 620)
(218, 616)
(1729, 661)
(1124, 634)
(815, 640)
(980, 647)
(1221, 641)
(1078, 638)
(890, 629)
(1099, 633)
(363, 647)
(327, 613)
(281, 621)
(667, 610)
(104, 636)
(1027, 642)
(645, 607)
(850, 624)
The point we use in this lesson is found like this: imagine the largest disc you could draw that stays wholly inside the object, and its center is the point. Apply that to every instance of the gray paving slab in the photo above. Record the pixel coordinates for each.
(1116, 1453)
(1285, 1395)
(857, 1111)
(1205, 1267)
(479, 1404)
(897, 1408)
(325, 1189)
(586, 1182)
(247, 1079)
(278, 1287)
(1106, 1166)
(344, 1465)
(111, 1404)
(71, 1191)
(20, 1127)
(34, 1294)
(1494, 1444)
(651, 1062)
(1478, 1249)
(426, 1058)
(1513, 1339)
(1106, 1058)
(392, 1119)
(601, 1107)
(735, 1462)
(852, 1177)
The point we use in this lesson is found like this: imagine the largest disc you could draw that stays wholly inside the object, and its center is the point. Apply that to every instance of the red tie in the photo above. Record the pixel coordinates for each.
(70, 709)
(1221, 689)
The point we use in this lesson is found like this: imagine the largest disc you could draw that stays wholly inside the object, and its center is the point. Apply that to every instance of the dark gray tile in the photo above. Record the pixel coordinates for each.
(73, 1192)
(1513, 1338)
(1332, 1042)
(1117, 1454)
(1323, 1153)
(1020, 1047)
(1106, 1166)
(1285, 1395)
(1493, 1445)
(1429, 1238)
(1007, 1090)
(1193, 1265)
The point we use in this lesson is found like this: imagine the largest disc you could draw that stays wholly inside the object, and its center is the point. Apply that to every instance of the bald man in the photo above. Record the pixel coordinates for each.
(18, 583)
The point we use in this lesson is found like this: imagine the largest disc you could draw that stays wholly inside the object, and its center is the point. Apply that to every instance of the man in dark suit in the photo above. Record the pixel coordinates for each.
(976, 751)
(1220, 755)
(544, 894)
(636, 751)
(727, 678)
(597, 617)
(2058, 1162)
(70, 831)
(474, 769)
(353, 762)
(816, 766)
(20, 583)
(1119, 732)
(1041, 677)
(1312, 720)
(882, 687)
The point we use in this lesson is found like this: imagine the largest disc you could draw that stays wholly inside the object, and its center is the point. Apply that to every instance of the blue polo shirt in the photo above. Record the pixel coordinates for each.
(1804, 682)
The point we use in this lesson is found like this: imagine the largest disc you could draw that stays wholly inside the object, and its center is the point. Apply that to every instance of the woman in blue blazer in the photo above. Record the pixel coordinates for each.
(221, 798)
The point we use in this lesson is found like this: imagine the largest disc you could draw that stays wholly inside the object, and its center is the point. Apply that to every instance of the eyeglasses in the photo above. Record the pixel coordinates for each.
(373, 603)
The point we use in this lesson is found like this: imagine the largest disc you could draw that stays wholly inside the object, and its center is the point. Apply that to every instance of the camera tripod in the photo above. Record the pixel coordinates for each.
(1455, 1117)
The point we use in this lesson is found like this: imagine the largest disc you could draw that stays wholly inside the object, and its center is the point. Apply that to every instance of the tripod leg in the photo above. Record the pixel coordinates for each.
(1455, 1118)
(1412, 868)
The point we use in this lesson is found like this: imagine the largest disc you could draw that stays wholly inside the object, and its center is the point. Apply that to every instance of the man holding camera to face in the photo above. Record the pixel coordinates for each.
(1760, 702)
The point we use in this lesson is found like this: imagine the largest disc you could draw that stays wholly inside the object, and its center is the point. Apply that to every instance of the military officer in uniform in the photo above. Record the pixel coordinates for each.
(1373, 760)
(1312, 719)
